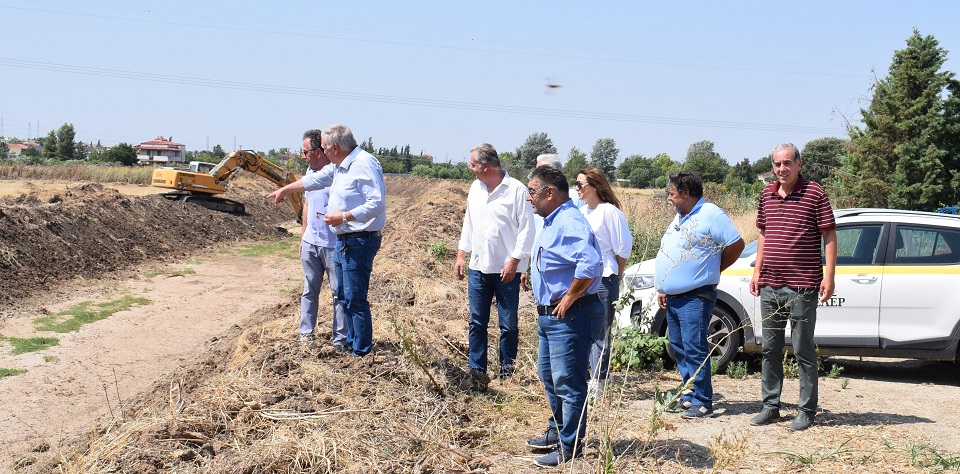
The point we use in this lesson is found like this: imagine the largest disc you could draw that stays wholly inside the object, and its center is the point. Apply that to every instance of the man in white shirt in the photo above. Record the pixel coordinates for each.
(497, 235)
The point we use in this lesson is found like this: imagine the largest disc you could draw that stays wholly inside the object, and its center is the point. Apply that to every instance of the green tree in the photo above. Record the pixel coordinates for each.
(822, 157)
(4, 150)
(66, 136)
(49, 145)
(508, 161)
(535, 145)
(219, 153)
(604, 157)
(638, 169)
(422, 170)
(576, 161)
(122, 153)
(80, 150)
(905, 157)
(704, 160)
(764, 165)
(742, 172)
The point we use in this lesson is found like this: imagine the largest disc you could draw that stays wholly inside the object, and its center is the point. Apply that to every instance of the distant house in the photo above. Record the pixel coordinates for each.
(161, 151)
(766, 178)
(17, 148)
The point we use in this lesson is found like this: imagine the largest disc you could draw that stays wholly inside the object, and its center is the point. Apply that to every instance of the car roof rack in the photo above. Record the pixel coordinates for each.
(873, 210)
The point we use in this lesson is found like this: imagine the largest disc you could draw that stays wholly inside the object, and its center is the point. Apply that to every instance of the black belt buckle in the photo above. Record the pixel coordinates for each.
(365, 233)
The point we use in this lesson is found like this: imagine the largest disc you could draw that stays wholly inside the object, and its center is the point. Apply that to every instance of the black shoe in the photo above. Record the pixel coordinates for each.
(696, 412)
(557, 457)
(767, 415)
(803, 421)
(479, 379)
(549, 440)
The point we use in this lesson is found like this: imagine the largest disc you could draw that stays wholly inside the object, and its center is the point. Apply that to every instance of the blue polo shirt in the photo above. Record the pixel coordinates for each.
(564, 249)
(689, 255)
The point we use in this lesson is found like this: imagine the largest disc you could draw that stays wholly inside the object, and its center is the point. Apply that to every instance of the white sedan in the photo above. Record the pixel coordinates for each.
(897, 281)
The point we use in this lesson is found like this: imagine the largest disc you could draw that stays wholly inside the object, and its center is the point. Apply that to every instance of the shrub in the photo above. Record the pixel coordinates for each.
(636, 349)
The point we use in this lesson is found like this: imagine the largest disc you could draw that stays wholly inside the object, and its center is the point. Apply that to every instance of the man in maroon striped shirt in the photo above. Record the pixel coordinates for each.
(793, 216)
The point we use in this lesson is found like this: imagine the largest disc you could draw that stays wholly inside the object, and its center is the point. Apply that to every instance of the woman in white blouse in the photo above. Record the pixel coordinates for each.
(602, 210)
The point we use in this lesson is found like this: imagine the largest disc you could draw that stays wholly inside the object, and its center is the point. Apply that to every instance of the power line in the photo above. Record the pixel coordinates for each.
(401, 100)
(299, 30)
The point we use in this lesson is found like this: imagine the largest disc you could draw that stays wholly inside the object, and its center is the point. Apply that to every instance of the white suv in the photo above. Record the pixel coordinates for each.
(897, 294)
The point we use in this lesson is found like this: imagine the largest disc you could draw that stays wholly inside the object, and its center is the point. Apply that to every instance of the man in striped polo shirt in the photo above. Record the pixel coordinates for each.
(794, 215)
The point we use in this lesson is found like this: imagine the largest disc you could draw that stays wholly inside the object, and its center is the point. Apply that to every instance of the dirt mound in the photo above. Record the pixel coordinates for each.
(90, 230)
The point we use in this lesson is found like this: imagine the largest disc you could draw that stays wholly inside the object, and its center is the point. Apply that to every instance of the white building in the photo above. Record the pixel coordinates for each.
(161, 151)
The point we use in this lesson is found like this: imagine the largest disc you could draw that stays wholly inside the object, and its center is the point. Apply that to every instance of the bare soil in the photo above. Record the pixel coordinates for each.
(208, 376)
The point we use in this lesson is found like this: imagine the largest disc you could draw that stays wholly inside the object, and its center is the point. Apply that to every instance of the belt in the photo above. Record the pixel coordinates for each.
(366, 233)
(701, 292)
(581, 302)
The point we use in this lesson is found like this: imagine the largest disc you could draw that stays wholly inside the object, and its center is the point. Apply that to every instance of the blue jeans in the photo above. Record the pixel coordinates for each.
(316, 262)
(777, 305)
(563, 368)
(687, 320)
(354, 262)
(482, 288)
(600, 352)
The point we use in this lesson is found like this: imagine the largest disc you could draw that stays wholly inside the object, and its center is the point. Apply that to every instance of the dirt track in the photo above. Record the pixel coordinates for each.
(94, 243)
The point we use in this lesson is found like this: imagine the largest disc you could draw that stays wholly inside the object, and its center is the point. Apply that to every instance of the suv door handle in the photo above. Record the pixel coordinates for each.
(864, 279)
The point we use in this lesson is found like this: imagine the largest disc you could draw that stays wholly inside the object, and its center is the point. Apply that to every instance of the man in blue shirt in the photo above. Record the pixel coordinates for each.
(700, 243)
(317, 246)
(566, 272)
(357, 212)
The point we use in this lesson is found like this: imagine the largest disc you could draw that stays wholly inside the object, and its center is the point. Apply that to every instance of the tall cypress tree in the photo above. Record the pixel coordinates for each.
(905, 156)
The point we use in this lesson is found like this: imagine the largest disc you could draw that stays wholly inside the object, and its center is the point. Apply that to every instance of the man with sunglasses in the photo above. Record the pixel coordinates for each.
(497, 235)
(316, 250)
(565, 273)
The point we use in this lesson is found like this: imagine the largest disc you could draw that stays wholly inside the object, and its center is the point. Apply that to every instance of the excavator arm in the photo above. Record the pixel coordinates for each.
(202, 188)
(249, 161)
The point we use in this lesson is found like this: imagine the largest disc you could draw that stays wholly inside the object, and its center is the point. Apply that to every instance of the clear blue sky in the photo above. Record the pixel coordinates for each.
(443, 76)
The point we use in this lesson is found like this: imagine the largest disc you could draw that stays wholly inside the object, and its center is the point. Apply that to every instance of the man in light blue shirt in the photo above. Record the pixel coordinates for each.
(357, 212)
(700, 243)
(566, 271)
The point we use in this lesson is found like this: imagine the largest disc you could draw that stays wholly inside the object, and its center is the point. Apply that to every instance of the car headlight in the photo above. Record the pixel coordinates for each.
(638, 282)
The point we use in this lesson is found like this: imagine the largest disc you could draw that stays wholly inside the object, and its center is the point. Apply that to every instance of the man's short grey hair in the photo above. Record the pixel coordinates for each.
(551, 160)
(787, 146)
(340, 135)
(314, 135)
(486, 153)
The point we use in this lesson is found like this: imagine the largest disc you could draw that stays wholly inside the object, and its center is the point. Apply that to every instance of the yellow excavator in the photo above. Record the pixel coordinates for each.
(203, 188)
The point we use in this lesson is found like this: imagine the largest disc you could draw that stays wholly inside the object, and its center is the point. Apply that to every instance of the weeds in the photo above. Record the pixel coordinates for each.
(844, 383)
(32, 344)
(737, 370)
(10, 372)
(82, 313)
(286, 248)
(834, 372)
(634, 348)
(928, 457)
(727, 453)
(814, 457)
(791, 369)
(77, 172)
(438, 249)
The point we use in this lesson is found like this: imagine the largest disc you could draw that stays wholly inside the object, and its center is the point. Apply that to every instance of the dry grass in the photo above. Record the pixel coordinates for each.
(77, 172)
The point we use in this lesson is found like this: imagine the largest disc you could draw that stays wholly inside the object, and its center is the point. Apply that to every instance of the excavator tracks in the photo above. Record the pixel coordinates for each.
(209, 202)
